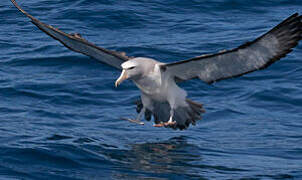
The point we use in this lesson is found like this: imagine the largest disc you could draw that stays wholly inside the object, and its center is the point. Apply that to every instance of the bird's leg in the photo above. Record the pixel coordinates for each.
(170, 122)
(138, 118)
(141, 114)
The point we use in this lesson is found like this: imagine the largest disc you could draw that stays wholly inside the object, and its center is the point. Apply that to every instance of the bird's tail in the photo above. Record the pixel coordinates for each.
(183, 115)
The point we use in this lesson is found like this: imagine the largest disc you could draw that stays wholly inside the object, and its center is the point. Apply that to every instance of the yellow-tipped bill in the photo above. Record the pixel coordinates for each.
(122, 77)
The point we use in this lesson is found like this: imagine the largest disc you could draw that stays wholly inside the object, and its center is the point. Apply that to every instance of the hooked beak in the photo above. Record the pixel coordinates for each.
(122, 77)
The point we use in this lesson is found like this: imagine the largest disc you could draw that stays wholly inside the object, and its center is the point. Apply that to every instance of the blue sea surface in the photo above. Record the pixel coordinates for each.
(60, 113)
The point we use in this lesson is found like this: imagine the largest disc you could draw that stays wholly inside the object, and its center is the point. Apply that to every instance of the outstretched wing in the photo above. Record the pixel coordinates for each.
(248, 57)
(78, 44)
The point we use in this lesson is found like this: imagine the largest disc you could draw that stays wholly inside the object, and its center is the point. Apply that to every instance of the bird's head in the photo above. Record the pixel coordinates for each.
(132, 69)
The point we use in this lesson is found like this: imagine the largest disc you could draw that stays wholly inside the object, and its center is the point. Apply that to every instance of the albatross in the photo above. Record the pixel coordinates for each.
(161, 97)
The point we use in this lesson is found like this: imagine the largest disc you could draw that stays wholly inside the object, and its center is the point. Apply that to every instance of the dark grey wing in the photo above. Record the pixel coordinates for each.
(78, 44)
(248, 57)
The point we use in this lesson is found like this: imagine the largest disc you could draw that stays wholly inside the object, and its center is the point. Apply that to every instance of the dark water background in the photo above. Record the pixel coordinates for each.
(59, 110)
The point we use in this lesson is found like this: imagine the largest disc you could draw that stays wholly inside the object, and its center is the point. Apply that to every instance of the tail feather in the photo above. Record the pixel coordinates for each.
(184, 116)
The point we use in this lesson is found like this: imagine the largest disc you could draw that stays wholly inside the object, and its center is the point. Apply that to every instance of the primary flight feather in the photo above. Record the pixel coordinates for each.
(161, 97)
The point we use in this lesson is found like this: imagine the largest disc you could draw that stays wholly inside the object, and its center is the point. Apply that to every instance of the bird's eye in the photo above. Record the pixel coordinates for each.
(131, 68)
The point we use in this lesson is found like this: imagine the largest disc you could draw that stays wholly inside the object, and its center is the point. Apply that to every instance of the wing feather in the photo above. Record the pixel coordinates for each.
(78, 44)
(249, 57)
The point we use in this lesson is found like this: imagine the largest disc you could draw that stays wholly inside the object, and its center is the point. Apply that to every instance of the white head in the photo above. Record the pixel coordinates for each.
(135, 68)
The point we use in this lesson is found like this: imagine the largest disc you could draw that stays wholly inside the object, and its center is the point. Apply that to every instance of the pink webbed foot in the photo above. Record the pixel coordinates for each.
(166, 124)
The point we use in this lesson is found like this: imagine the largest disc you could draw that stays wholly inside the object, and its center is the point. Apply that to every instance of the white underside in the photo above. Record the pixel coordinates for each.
(160, 87)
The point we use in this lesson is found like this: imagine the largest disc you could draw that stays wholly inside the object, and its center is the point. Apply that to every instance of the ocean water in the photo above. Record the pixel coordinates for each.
(60, 113)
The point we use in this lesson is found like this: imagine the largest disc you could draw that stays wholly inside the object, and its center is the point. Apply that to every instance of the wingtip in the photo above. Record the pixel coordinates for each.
(296, 14)
(17, 6)
(24, 12)
(15, 3)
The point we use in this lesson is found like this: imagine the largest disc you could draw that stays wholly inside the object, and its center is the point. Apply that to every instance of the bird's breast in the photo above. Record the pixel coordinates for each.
(149, 86)
(158, 90)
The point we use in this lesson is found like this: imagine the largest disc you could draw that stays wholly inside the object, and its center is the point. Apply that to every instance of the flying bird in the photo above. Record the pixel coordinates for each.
(161, 97)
